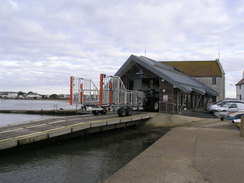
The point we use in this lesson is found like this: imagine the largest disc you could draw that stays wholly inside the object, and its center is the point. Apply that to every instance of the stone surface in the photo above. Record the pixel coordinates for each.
(59, 132)
(8, 144)
(188, 155)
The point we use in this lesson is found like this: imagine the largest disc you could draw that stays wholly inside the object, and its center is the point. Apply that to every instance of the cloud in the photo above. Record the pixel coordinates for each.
(42, 43)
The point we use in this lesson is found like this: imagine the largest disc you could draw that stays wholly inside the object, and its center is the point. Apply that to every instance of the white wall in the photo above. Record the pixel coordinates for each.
(219, 86)
(240, 92)
(12, 95)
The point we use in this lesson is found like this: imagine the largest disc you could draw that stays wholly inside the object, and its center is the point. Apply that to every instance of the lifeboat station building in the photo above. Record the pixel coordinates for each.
(167, 89)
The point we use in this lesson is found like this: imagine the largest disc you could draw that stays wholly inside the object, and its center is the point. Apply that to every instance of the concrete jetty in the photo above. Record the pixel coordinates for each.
(34, 131)
(205, 150)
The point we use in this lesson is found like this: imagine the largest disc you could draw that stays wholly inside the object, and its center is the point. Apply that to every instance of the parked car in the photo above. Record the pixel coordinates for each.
(228, 111)
(231, 107)
(214, 107)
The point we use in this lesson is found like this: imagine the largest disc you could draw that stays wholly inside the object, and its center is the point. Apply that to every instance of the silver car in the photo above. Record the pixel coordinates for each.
(231, 107)
(214, 107)
(222, 112)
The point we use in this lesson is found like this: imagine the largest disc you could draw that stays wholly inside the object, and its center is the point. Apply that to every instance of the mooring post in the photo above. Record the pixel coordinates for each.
(242, 126)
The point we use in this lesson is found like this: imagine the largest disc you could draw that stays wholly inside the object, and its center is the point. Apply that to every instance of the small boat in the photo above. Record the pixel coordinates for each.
(234, 115)
(237, 122)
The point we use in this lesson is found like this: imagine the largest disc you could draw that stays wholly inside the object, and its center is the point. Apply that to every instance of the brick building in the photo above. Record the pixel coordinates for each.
(169, 89)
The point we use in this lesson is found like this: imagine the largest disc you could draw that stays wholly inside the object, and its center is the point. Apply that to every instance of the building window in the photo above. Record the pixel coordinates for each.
(213, 99)
(240, 87)
(214, 80)
(240, 97)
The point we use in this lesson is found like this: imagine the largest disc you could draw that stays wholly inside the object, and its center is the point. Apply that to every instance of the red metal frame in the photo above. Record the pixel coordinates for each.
(81, 93)
(71, 91)
(101, 90)
(110, 93)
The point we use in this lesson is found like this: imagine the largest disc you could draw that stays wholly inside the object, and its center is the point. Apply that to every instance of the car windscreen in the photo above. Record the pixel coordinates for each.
(226, 105)
(220, 103)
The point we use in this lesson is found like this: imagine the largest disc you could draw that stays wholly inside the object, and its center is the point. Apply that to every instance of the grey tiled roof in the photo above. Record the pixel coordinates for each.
(178, 79)
(240, 82)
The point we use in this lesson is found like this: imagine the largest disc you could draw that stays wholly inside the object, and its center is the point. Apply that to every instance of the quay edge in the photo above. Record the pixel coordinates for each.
(69, 131)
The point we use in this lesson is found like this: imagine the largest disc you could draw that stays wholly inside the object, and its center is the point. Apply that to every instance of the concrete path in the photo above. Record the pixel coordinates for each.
(189, 155)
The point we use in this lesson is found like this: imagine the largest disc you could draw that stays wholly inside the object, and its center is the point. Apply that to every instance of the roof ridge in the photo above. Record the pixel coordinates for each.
(167, 66)
(180, 73)
(189, 60)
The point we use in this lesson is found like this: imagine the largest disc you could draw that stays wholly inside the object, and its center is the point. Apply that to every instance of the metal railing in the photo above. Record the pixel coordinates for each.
(166, 106)
(112, 92)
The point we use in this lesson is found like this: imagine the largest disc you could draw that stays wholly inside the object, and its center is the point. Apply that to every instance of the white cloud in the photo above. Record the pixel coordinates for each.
(42, 43)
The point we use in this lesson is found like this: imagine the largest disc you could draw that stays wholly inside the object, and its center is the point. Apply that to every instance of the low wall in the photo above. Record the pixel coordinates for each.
(170, 120)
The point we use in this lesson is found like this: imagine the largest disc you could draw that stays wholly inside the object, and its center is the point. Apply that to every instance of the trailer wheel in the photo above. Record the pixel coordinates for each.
(104, 111)
(128, 111)
(95, 113)
(121, 112)
(156, 106)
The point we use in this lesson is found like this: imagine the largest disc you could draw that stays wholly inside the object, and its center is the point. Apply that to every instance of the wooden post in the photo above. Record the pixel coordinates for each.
(194, 102)
(178, 101)
(242, 127)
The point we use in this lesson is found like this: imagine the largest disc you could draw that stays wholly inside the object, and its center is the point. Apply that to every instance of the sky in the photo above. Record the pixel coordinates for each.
(43, 43)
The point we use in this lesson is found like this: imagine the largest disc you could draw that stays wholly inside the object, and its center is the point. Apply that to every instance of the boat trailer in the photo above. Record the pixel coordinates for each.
(112, 95)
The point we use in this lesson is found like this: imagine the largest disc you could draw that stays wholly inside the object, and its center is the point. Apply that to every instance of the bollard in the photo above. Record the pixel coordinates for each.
(242, 126)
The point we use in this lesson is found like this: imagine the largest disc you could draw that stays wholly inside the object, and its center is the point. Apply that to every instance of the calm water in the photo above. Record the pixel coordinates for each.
(29, 105)
(88, 159)
(6, 119)
(34, 104)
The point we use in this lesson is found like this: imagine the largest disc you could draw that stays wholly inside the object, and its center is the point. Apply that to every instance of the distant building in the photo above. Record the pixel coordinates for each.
(33, 96)
(240, 89)
(12, 95)
(66, 96)
(3, 94)
(21, 97)
(209, 72)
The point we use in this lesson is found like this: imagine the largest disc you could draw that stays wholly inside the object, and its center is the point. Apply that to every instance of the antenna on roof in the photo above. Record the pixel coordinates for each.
(145, 53)
(218, 55)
